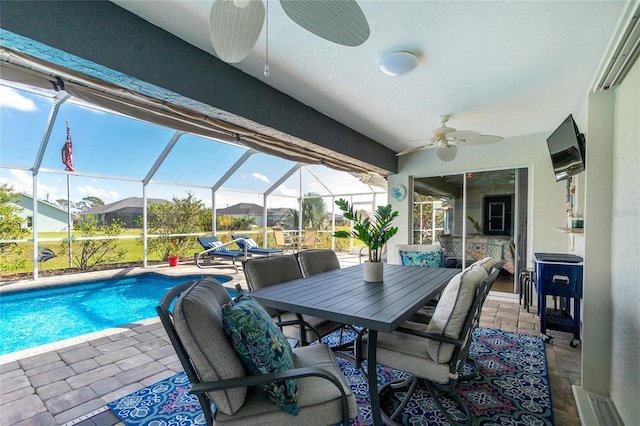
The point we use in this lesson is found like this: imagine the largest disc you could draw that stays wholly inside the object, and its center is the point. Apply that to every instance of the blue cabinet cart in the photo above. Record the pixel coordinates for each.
(559, 275)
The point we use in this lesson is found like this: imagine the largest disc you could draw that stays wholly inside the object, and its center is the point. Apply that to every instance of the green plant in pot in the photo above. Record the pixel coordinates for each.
(373, 233)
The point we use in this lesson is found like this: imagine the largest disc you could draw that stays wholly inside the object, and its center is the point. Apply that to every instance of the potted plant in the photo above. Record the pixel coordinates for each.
(373, 233)
(173, 255)
(476, 225)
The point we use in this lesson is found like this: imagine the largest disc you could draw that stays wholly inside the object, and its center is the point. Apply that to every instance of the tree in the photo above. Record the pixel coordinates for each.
(10, 220)
(95, 252)
(11, 229)
(314, 212)
(63, 203)
(181, 216)
(87, 203)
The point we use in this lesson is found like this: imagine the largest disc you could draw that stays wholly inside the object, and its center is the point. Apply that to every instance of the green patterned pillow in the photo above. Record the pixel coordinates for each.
(262, 347)
(429, 259)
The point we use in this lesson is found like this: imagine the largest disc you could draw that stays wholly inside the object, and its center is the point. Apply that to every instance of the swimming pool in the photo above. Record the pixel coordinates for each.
(30, 318)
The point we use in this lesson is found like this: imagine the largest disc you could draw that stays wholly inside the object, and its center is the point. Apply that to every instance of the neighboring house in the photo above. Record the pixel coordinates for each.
(51, 218)
(247, 210)
(129, 211)
(278, 216)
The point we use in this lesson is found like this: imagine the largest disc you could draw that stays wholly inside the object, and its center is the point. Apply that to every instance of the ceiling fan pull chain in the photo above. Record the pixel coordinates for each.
(266, 65)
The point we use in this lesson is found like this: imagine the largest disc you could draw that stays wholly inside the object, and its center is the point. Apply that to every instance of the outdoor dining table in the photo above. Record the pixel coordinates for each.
(343, 296)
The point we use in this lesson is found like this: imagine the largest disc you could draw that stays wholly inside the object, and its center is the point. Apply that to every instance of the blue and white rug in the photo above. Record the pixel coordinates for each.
(513, 389)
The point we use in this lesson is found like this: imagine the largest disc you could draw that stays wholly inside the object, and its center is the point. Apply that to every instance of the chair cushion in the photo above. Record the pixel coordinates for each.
(218, 246)
(250, 243)
(198, 321)
(407, 352)
(487, 263)
(319, 399)
(429, 259)
(314, 262)
(452, 311)
(262, 347)
(267, 271)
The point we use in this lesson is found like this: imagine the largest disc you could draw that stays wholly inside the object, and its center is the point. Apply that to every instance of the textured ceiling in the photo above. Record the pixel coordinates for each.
(505, 68)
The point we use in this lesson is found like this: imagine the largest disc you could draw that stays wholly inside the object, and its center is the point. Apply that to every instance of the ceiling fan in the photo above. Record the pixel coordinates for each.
(235, 25)
(447, 139)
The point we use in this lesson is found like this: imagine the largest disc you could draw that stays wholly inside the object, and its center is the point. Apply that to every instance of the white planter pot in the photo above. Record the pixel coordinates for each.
(373, 272)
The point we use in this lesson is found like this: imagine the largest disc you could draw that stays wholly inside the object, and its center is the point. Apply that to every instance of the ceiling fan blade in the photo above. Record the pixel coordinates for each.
(339, 21)
(447, 152)
(410, 150)
(482, 140)
(463, 135)
(234, 27)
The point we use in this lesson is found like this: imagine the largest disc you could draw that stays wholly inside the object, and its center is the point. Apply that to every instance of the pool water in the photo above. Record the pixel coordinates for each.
(35, 317)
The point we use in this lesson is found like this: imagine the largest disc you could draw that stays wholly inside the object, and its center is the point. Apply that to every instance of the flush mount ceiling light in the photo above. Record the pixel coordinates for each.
(397, 63)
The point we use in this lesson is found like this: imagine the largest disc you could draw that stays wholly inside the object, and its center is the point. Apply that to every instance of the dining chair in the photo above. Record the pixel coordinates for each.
(267, 271)
(198, 328)
(310, 236)
(452, 247)
(283, 241)
(435, 353)
(317, 261)
(424, 314)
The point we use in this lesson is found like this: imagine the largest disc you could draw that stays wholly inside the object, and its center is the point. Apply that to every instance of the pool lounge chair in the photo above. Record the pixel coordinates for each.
(247, 245)
(217, 250)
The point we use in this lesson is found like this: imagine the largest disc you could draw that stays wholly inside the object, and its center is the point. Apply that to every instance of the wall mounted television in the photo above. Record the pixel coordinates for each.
(567, 149)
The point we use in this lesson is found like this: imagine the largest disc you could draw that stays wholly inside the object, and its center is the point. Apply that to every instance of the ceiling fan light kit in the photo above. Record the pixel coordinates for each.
(397, 63)
(447, 152)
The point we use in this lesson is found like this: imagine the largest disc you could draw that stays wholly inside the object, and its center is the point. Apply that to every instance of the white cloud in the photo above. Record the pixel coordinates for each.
(259, 176)
(11, 98)
(21, 181)
(282, 189)
(104, 195)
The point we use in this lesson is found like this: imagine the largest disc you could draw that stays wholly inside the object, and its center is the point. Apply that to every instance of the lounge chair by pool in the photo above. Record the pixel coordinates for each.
(247, 244)
(214, 249)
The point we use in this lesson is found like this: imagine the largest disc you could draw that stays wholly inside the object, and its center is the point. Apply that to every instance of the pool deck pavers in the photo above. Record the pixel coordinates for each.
(69, 383)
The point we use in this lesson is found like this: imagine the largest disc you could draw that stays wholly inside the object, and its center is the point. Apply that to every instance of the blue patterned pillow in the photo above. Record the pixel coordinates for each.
(218, 246)
(429, 259)
(262, 347)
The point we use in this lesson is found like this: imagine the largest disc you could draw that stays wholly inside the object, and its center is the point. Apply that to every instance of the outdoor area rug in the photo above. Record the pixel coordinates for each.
(513, 389)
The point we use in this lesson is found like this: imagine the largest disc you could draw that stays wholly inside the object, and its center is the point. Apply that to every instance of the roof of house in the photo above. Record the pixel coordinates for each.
(132, 204)
(250, 209)
(44, 202)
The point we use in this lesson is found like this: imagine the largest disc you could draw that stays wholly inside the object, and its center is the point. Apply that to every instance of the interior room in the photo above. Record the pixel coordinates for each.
(507, 71)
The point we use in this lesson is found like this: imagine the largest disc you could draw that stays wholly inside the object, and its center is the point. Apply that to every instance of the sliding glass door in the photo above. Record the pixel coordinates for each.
(473, 215)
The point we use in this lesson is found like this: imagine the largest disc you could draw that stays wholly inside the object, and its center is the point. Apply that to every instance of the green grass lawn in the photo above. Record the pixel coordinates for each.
(22, 262)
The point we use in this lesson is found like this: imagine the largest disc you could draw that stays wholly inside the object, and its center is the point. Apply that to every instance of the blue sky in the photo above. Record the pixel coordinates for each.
(107, 145)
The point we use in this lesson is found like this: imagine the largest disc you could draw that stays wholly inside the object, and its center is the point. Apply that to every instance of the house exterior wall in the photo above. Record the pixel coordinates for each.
(50, 218)
(259, 219)
(547, 198)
